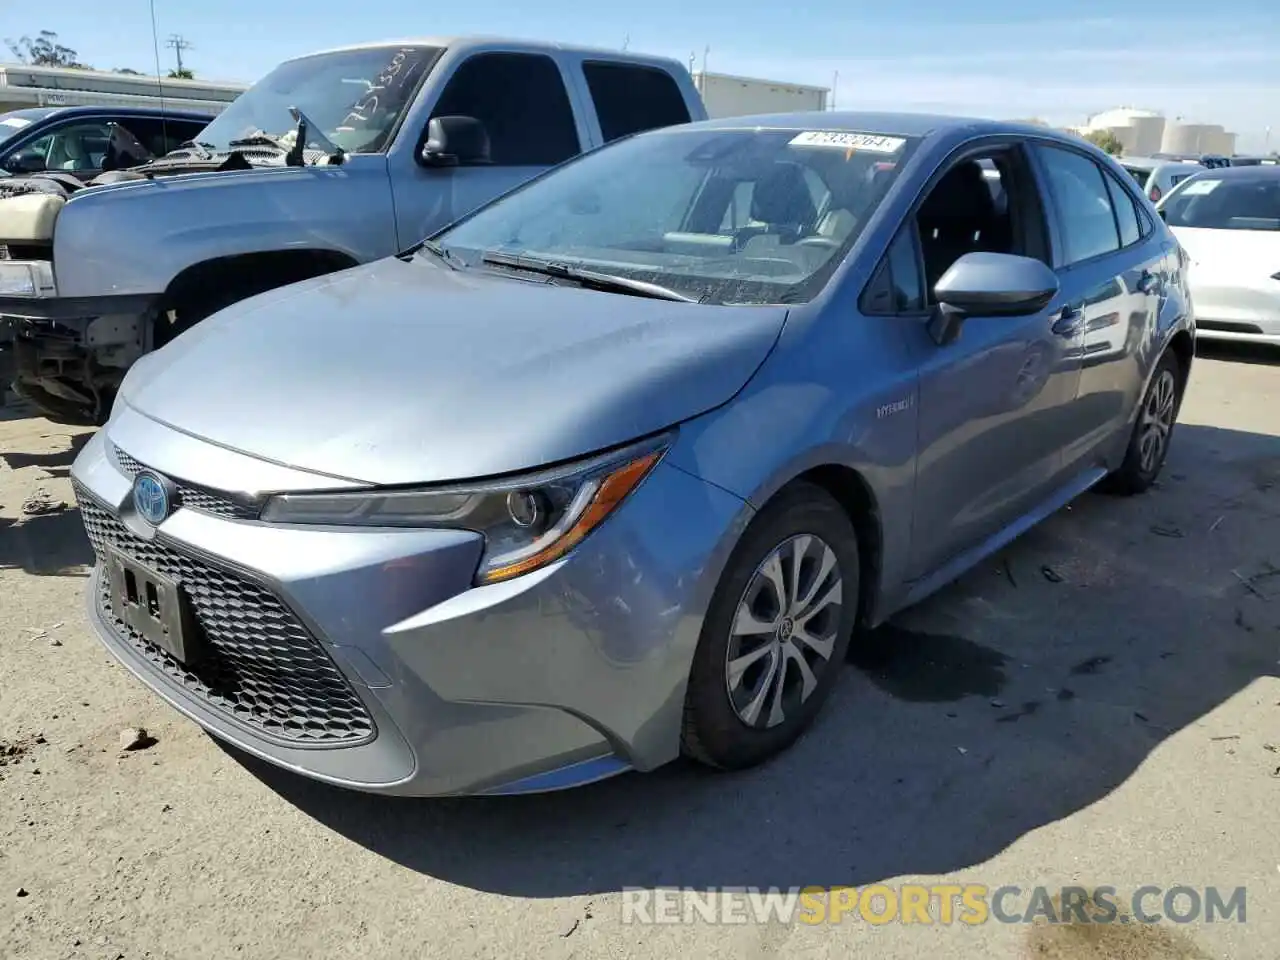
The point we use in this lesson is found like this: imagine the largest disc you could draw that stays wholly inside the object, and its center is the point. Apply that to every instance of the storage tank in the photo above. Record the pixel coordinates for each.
(729, 96)
(1139, 131)
(1195, 138)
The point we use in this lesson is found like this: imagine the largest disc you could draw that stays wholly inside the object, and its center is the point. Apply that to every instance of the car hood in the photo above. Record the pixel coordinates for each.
(1243, 254)
(409, 372)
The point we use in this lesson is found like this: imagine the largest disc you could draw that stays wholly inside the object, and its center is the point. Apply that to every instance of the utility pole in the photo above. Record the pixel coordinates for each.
(835, 82)
(178, 43)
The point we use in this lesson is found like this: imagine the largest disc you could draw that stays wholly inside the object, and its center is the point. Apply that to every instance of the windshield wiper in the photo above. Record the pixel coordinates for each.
(607, 282)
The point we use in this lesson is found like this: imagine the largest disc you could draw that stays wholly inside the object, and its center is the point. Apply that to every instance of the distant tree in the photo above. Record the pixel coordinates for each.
(183, 74)
(1105, 140)
(45, 51)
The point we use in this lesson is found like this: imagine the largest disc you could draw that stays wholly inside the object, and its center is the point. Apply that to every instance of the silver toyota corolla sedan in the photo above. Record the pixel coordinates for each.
(616, 468)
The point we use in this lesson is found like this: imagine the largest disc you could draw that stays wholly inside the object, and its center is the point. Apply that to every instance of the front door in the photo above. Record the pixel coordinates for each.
(996, 403)
(522, 100)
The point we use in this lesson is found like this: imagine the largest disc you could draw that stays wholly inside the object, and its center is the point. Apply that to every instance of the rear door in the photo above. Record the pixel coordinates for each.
(524, 104)
(1111, 265)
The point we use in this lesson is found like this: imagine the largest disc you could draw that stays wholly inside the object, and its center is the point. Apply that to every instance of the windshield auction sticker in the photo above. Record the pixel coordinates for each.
(844, 140)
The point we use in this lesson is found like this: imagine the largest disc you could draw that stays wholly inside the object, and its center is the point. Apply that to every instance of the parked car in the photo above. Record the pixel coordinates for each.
(597, 476)
(1158, 177)
(1228, 221)
(331, 160)
(84, 142)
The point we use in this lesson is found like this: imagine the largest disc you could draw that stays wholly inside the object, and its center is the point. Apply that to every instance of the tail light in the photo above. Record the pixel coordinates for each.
(1154, 194)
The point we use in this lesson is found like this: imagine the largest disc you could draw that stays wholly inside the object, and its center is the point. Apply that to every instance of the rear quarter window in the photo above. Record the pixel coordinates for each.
(630, 98)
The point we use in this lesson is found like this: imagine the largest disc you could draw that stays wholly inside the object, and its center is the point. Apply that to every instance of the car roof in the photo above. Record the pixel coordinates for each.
(62, 112)
(902, 124)
(1260, 172)
(478, 40)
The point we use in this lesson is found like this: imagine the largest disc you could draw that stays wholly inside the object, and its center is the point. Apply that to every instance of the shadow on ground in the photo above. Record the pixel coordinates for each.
(56, 464)
(1232, 351)
(1031, 688)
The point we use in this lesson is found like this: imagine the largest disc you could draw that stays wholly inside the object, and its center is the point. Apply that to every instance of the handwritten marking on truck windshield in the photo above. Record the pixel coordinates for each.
(842, 140)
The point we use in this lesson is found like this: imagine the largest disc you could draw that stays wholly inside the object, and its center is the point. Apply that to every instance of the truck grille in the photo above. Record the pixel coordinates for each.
(262, 667)
(194, 497)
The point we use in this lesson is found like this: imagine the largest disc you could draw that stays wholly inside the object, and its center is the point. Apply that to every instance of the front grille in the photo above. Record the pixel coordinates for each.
(261, 666)
(25, 250)
(194, 497)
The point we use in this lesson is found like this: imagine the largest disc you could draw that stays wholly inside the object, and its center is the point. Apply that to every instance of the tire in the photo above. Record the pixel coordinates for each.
(1157, 417)
(725, 726)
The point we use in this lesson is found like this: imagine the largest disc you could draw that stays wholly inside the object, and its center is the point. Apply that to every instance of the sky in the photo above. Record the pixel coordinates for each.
(1001, 58)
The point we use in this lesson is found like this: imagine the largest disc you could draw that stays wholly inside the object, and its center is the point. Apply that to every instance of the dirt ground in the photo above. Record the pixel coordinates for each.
(1099, 705)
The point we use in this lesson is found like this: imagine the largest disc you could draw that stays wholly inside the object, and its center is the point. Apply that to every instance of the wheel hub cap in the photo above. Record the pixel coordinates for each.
(784, 631)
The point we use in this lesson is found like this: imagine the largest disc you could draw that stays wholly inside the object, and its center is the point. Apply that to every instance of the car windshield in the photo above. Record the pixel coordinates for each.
(355, 97)
(15, 121)
(747, 216)
(1225, 203)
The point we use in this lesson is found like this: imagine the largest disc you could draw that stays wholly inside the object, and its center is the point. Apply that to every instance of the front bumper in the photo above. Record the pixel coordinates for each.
(68, 355)
(1238, 311)
(410, 680)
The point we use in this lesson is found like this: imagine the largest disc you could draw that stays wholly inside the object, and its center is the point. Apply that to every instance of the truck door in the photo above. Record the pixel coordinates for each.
(524, 105)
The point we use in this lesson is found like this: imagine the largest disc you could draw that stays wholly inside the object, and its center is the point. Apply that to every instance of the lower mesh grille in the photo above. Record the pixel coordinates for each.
(193, 497)
(262, 668)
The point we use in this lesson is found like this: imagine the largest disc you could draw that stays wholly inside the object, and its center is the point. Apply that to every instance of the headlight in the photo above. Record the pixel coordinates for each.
(26, 279)
(527, 522)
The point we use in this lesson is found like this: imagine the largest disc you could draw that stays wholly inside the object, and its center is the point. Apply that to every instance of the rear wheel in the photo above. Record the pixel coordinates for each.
(776, 633)
(1149, 444)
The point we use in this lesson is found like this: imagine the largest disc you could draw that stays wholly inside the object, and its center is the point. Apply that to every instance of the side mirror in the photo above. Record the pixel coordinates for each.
(25, 162)
(989, 284)
(455, 142)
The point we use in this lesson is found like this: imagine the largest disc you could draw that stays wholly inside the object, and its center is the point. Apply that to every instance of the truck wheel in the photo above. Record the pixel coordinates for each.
(776, 634)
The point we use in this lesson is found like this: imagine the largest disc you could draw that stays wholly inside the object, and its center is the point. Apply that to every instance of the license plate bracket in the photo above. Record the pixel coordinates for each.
(154, 606)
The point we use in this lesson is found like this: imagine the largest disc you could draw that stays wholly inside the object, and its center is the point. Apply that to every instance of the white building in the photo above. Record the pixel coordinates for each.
(729, 96)
(1145, 132)
(27, 86)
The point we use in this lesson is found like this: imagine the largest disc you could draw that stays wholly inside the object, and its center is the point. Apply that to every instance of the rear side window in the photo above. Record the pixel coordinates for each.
(1126, 212)
(631, 99)
(522, 102)
(1083, 203)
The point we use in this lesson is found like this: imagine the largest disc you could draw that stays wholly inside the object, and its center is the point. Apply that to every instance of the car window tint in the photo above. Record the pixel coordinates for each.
(1083, 203)
(1126, 211)
(160, 136)
(630, 99)
(522, 102)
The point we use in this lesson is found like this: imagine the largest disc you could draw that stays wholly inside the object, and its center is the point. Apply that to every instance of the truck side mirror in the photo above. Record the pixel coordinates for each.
(455, 142)
(26, 161)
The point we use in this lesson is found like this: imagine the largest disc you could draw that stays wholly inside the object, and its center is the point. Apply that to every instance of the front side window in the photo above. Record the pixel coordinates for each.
(1226, 203)
(522, 102)
(1083, 202)
(631, 99)
(656, 207)
(357, 98)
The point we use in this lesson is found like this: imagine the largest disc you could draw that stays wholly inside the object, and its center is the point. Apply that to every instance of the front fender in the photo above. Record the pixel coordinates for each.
(135, 237)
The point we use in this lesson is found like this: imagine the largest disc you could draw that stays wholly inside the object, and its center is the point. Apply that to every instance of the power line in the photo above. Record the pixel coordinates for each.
(178, 43)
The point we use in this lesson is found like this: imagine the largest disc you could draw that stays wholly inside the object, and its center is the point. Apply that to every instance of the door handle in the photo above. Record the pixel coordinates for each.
(1148, 283)
(1067, 322)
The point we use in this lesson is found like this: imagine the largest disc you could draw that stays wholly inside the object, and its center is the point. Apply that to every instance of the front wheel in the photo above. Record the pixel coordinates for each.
(776, 633)
(1149, 444)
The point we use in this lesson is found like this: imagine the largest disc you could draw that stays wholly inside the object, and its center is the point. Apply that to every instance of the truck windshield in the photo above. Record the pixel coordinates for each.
(749, 216)
(356, 97)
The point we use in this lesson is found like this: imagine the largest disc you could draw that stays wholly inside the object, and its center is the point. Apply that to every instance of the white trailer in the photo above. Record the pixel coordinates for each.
(728, 96)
